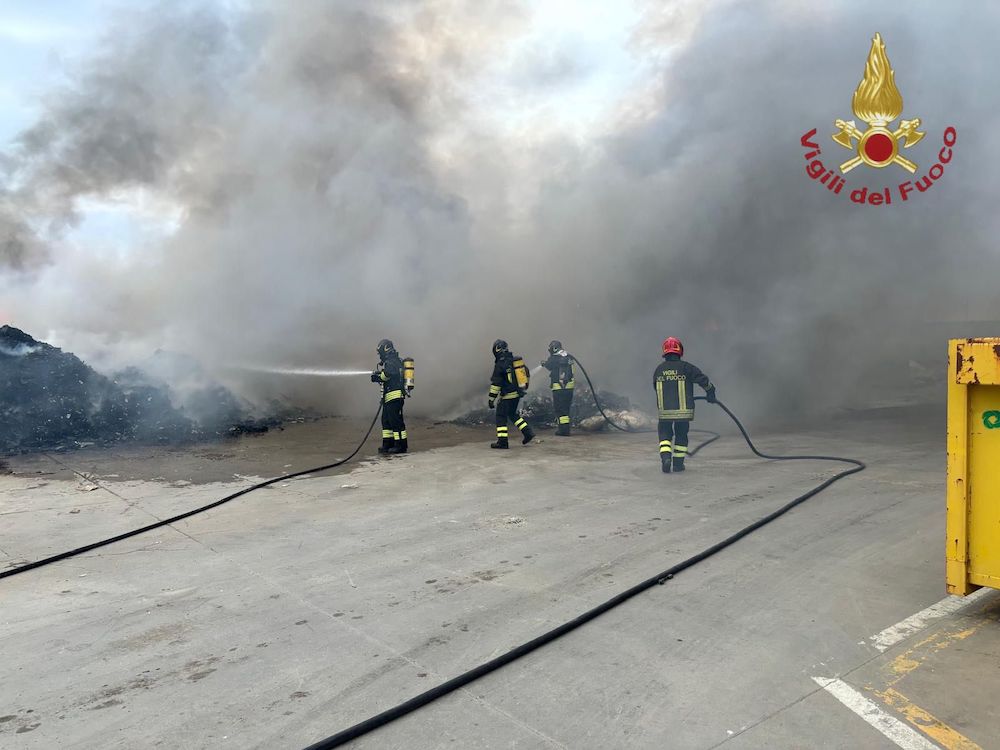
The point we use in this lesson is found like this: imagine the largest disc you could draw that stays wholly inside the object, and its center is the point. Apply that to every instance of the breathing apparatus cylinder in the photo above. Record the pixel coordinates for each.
(408, 373)
(521, 373)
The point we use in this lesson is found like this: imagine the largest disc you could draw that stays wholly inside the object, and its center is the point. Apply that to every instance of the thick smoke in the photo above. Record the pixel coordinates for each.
(348, 171)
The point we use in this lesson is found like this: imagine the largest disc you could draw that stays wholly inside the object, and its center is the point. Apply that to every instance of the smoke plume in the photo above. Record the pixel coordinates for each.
(333, 173)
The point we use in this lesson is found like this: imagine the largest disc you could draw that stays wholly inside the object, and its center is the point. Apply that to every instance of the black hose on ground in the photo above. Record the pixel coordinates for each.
(173, 519)
(465, 678)
(713, 436)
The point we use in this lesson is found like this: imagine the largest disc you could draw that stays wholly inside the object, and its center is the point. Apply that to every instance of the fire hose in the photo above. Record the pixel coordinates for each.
(187, 514)
(418, 701)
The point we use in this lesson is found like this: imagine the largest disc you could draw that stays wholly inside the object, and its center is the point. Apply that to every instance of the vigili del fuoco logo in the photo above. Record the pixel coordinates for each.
(877, 102)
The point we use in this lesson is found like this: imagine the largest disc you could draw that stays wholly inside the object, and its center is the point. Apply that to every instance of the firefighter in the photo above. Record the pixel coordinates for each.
(560, 368)
(674, 382)
(389, 373)
(504, 385)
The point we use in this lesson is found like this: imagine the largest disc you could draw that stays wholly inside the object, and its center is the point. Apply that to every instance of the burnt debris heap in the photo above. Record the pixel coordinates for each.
(51, 400)
(537, 408)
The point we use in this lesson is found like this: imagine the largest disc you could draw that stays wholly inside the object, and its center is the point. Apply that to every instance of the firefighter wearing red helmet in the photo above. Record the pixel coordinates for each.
(674, 382)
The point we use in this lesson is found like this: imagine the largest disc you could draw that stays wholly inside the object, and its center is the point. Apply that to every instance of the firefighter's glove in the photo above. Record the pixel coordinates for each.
(375, 377)
(710, 396)
(491, 403)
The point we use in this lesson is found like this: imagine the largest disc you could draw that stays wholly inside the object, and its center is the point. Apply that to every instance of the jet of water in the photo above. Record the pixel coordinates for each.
(308, 371)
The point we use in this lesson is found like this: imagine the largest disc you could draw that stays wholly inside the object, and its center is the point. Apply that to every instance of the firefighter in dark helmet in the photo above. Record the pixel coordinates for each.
(560, 368)
(389, 374)
(508, 384)
(674, 381)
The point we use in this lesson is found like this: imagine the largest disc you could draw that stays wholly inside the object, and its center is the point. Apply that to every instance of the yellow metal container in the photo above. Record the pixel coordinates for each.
(973, 520)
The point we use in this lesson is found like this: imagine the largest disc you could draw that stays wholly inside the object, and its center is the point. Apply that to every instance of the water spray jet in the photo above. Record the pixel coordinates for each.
(306, 371)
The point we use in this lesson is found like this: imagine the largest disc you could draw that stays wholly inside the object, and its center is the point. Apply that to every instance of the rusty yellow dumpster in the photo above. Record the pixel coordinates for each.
(973, 495)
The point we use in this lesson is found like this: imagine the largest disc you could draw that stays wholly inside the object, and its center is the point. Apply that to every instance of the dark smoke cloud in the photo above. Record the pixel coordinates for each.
(141, 113)
(19, 245)
(338, 180)
(699, 219)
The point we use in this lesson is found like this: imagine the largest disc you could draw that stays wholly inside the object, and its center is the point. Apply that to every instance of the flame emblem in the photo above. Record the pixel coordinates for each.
(877, 102)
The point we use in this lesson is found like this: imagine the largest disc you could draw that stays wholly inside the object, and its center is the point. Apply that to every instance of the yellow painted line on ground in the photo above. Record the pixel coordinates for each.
(908, 662)
(914, 657)
(877, 718)
(927, 723)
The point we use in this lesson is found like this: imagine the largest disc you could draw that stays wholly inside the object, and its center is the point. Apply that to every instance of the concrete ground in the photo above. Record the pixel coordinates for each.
(295, 611)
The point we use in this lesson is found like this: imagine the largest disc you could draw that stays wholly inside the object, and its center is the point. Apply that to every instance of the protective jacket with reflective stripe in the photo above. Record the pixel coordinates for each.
(674, 382)
(560, 369)
(391, 376)
(504, 382)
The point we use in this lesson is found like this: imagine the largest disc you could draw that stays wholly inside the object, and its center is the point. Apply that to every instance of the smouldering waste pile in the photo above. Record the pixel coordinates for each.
(51, 400)
(537, 409)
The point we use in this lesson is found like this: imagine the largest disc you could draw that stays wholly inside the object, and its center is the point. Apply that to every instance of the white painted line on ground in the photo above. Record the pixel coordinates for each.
(905, 628)
(888, 725)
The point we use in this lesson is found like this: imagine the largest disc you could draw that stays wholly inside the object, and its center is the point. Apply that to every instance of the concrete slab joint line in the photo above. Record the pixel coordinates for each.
(886, 724)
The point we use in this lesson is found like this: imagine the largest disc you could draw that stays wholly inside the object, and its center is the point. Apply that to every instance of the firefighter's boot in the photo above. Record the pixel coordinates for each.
(501, 438)
(526, 431)
(678, 465)
(399, 447)
(387, 444)
(665, 463)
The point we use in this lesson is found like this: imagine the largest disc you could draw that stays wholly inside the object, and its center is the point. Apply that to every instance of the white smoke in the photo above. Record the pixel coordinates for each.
(19, 350)
(329, 174)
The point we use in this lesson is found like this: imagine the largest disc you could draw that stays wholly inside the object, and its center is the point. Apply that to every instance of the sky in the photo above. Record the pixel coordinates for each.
(38, 38)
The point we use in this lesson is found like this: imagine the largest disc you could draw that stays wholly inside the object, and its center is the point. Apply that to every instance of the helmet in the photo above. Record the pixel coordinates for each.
(385, 346)
(499, 346)
(673, 345)
(554, 346)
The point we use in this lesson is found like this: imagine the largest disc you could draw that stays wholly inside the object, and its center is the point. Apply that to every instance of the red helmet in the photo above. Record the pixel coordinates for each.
(673, 345)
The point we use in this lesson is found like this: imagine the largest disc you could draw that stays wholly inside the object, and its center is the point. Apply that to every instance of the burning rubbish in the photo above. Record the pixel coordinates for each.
(51, 400)
(538, 409)
(630, 419)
